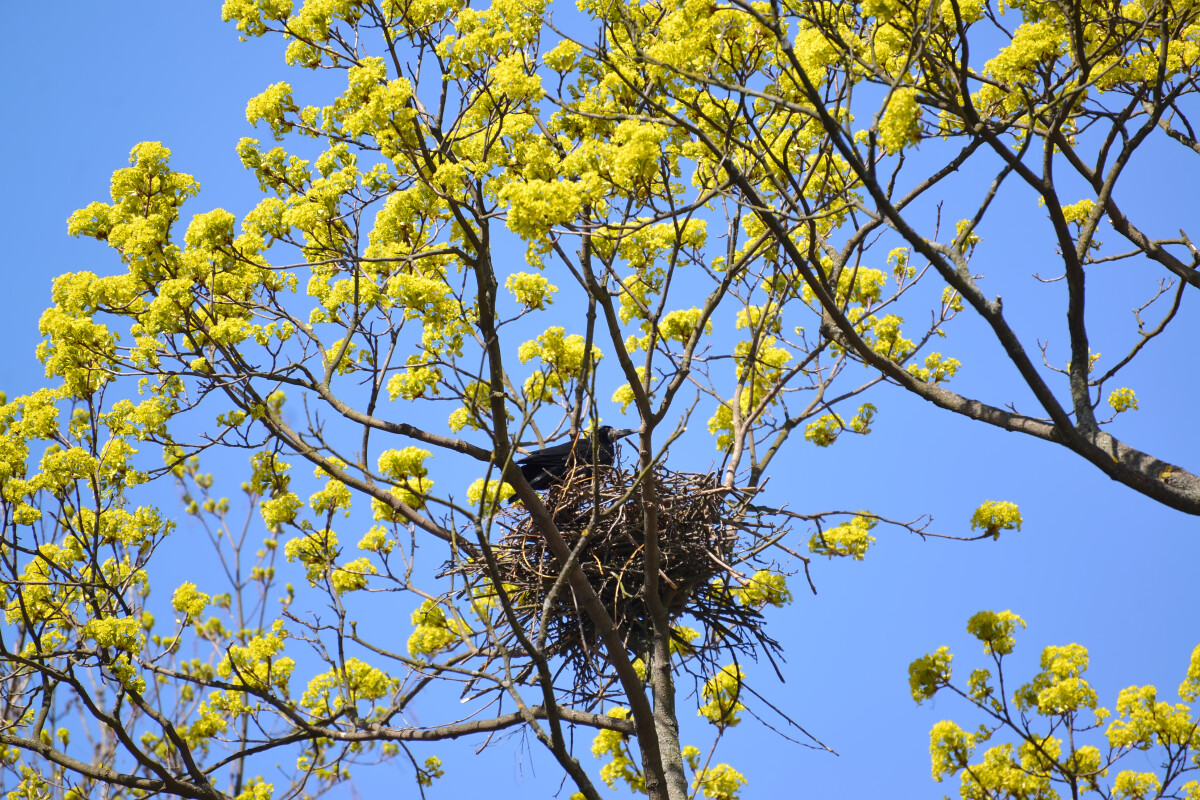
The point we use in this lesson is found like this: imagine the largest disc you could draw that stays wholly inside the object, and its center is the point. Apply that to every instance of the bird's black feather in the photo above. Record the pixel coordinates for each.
(548, 465)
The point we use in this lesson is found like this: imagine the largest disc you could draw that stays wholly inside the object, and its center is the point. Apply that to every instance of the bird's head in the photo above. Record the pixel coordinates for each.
(610, 434)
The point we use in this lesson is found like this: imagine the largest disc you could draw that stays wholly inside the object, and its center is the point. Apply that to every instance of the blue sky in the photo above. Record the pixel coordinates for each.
(1095, 563)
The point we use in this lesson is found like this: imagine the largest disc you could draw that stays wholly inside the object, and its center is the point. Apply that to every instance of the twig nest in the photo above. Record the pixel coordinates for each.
(604, 520)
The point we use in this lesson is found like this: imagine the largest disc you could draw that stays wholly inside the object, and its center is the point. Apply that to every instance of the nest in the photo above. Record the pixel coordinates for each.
(602, 521)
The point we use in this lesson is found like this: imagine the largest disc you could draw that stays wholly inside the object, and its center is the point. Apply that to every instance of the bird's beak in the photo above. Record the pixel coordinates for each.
(621, 433)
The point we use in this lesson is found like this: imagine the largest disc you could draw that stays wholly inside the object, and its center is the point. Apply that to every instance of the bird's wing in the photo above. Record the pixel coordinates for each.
(547, 456)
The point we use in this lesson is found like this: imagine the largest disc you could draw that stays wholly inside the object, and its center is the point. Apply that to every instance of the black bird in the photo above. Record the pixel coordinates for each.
(549, 465)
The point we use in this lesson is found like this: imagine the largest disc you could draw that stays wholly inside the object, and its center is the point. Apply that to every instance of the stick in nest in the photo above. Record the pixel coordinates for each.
(698, 531)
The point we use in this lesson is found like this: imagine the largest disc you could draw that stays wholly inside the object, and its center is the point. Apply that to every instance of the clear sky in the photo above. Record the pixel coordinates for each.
(1095, 563)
